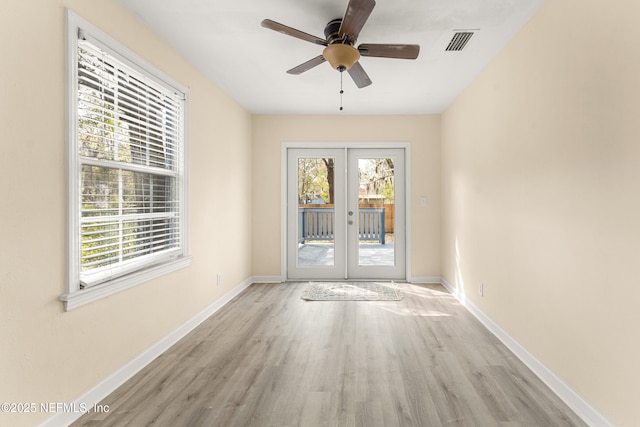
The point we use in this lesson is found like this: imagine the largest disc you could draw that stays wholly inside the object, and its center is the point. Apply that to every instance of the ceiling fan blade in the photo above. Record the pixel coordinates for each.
(281, 28)
(399, 51)
(359, 76)
(307, 65)
(357, 13)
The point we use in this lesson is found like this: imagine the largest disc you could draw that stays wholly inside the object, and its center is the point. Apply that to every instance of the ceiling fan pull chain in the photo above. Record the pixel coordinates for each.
(341, 91)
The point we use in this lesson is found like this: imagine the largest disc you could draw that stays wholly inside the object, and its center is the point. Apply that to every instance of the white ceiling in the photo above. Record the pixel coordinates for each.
(225, 41)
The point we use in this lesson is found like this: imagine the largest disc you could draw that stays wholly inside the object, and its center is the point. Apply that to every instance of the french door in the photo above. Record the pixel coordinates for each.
(346, 213)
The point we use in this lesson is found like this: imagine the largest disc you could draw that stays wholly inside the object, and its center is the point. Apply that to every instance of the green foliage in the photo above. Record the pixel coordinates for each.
(313, 182)
(376, 179)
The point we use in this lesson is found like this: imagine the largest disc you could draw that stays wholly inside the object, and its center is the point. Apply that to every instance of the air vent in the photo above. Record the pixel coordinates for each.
(459, 41)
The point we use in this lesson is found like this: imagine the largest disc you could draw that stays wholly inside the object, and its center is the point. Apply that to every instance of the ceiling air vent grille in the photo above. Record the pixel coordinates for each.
(459, 41)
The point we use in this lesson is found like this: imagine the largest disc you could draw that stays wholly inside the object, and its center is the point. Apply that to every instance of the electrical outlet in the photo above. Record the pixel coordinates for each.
(481, 289)
(219, 279)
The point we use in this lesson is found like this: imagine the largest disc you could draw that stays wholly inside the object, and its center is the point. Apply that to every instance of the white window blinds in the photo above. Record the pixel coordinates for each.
(130, 149)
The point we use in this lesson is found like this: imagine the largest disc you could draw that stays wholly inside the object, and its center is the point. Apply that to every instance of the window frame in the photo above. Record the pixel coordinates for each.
(75, 296)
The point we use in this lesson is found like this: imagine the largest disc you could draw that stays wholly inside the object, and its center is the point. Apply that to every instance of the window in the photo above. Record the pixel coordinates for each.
(127, 163)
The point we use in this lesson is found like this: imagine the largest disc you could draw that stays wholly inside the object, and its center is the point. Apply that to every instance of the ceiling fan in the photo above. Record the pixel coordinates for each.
(340, 37)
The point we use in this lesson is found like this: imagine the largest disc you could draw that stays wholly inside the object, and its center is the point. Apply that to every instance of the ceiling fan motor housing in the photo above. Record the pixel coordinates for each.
(340, 53)
(332, 31)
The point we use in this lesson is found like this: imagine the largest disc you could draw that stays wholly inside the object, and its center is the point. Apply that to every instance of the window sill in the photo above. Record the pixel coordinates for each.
(77, 299)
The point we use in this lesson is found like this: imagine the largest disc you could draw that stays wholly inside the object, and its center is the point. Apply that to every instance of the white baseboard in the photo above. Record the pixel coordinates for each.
(268, 279)
(425, 279)
(576, 402)
(108, 385)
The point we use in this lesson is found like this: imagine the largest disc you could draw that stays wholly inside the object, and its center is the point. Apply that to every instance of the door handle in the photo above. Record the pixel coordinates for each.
(350, 222)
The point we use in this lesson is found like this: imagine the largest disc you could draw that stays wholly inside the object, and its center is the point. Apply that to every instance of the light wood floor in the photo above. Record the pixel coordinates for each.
(269, 358)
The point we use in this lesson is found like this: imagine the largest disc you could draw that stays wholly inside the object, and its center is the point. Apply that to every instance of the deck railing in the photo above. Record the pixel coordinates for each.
(371, 224)
(318, 224)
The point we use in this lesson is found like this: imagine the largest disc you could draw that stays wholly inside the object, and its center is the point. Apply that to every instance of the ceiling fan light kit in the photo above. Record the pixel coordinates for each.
(340, 38)
(341, 56)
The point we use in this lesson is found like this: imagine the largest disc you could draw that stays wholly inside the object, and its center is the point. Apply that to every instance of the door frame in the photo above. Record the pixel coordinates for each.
(342, 145)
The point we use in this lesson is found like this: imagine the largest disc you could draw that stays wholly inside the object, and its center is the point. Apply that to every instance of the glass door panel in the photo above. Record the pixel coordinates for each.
(315, 232)
(376, 189)
(376, 232)
(316, 214)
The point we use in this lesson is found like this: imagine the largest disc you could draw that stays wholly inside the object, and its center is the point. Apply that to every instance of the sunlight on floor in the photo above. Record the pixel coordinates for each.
(421, 291)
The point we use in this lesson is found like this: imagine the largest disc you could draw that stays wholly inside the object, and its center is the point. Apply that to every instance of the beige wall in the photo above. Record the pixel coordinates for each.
(47, 355)
(540, 196)
(422, 132)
